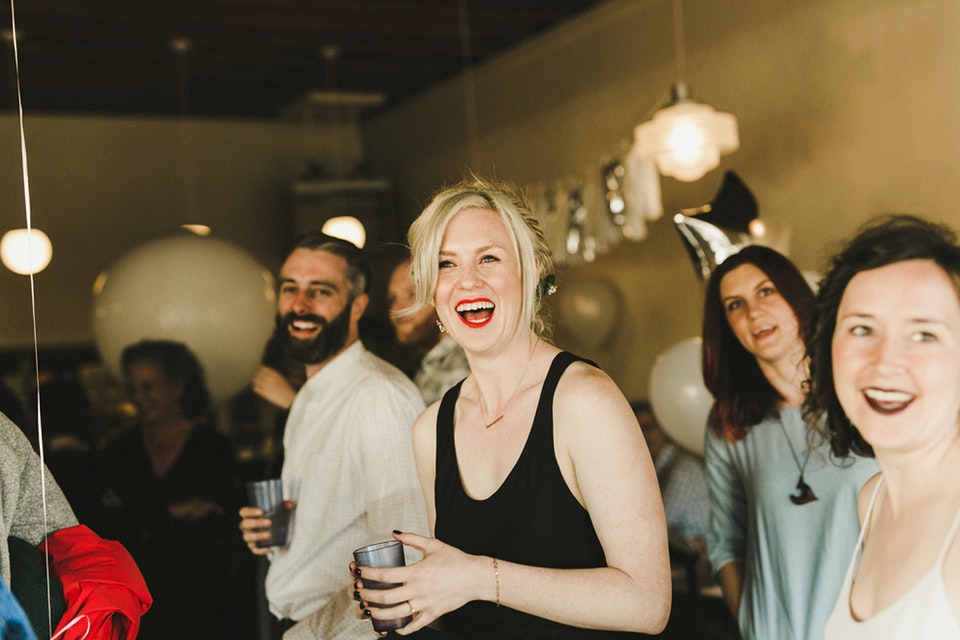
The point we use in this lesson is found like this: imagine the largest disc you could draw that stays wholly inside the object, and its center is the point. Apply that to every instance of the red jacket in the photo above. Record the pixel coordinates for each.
(100, 581)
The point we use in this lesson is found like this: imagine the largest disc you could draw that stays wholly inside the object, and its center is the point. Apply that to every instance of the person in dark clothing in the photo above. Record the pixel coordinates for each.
(170, 494)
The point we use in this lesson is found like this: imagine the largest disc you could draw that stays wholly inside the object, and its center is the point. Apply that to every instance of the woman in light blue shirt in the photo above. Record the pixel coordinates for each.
(783, 514)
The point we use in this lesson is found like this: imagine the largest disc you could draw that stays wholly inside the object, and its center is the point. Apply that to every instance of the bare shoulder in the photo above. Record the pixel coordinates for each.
(425, 426)
(584, 387)
(588, 402)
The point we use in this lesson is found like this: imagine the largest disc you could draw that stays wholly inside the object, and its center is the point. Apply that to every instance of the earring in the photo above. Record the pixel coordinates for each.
(440, 326)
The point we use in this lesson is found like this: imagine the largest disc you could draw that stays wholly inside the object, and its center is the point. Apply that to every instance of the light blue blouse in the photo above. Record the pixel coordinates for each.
(794, 556)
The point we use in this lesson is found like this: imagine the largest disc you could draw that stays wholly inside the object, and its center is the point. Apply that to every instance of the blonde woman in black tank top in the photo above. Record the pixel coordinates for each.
(540, 491)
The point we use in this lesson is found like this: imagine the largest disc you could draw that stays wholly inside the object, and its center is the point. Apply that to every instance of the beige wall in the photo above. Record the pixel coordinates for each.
(847, 109)
(101, 187)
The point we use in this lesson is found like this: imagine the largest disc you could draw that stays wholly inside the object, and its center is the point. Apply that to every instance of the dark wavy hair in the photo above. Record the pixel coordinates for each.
(180, 366)
(742, 394)
(880, 242)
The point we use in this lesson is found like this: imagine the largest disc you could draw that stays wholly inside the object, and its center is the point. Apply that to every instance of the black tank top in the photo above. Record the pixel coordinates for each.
(531, 519)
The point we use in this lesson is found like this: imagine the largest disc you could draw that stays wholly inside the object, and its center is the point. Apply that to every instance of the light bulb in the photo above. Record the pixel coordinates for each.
(25, 251)
(346, 228)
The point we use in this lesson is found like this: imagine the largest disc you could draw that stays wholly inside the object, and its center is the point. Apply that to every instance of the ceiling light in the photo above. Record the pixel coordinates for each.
(346, 228)
(197, 229)
(26, 251)
(685, 138)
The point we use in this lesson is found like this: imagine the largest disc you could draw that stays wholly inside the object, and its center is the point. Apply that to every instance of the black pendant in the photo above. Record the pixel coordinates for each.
(806, 493)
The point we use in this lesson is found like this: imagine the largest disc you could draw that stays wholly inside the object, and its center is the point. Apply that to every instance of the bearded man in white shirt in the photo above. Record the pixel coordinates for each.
(347, 443)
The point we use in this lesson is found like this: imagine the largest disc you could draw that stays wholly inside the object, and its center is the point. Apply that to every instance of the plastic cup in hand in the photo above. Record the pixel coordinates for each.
(268, 495)
(382, 554)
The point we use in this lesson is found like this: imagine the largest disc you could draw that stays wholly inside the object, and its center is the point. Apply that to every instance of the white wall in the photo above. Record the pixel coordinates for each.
(847, 109)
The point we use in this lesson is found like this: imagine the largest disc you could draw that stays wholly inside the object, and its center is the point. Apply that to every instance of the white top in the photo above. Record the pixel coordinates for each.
(348, 457)
(922, 612)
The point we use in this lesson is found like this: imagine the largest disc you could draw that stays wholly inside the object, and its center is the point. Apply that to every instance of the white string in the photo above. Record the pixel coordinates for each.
(73, 622)
(33, 298)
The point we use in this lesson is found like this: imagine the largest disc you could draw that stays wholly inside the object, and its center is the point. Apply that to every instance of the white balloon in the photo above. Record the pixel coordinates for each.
(678, 396)
(204, 292)
(589, 309)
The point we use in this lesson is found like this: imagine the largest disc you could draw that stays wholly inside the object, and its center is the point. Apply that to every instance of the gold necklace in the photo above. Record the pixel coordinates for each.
(512, 395)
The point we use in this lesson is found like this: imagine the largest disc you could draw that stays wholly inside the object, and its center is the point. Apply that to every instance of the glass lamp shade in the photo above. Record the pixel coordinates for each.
(25, 251)
(346, 228)
(686, 139)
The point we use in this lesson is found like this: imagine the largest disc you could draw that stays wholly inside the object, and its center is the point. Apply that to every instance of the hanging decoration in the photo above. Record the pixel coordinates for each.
(685, 138)
(614, 176)
(642, 194)
(718, 229)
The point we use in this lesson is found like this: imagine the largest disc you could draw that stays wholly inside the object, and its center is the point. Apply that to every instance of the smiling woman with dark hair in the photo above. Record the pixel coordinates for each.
(782, 513)
(885, 364)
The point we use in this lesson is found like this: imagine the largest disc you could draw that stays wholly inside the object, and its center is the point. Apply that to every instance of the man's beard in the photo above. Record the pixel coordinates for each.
(333, 335)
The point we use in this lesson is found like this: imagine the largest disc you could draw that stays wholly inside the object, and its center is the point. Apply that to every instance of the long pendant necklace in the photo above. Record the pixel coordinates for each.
(806, 493)
(487, 425)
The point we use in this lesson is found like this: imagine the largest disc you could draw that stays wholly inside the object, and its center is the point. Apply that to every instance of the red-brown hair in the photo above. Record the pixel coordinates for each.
(742, 395)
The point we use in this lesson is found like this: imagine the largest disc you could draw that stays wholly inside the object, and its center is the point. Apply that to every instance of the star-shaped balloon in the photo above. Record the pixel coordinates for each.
(717, 230)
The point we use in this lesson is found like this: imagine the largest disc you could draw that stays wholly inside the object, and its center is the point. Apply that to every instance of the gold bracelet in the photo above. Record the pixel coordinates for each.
(496, 575)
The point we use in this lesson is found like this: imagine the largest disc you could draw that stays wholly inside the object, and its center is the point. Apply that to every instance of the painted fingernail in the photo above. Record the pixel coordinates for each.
(356, 596)
(356, 572)
(366, 613)
(397, 531)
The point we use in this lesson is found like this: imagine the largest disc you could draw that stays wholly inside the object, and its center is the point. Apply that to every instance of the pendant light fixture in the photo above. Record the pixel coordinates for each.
(685, 138)
(26, 251)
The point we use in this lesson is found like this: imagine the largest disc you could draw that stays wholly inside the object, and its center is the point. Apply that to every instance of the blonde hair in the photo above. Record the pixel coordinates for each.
(426, 235)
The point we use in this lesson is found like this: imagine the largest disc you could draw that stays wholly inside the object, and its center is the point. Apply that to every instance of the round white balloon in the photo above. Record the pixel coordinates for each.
(678, 396)
(204, 292)
(589, 309)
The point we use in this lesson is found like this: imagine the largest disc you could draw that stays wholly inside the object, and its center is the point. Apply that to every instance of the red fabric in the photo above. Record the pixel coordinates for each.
(101, 581)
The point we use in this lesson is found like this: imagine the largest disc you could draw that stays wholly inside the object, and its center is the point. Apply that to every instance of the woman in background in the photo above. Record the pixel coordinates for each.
(169, 494)
(885, 364)
(783, 515)
(539, 488)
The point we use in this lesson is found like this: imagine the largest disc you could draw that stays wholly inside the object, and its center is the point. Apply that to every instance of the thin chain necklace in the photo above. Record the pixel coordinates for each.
(806, 493)
(487, 425)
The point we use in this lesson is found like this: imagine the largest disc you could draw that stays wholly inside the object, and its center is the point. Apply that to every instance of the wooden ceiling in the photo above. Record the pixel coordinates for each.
(250, 58)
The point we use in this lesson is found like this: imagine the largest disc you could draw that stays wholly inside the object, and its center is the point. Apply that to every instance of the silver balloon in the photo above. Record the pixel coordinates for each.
(717, 230)
(708, 244)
